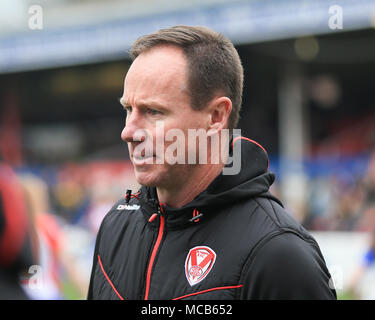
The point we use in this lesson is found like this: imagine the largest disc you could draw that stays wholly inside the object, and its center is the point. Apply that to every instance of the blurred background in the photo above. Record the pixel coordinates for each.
(309, 99)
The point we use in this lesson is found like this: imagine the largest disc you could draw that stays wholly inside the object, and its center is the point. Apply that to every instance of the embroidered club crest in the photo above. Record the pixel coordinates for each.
(199, 263)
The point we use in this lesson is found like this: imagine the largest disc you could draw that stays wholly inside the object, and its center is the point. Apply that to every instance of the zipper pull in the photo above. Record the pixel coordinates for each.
(154, 215)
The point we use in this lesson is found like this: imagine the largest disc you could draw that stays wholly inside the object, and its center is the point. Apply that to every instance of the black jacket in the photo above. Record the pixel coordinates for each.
(233, 241)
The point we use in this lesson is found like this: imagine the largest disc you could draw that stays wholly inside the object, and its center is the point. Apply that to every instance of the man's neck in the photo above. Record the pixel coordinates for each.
(198, 181)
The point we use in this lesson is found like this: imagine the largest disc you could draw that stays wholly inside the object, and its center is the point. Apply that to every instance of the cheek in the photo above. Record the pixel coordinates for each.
(187, 121)
(178, 126)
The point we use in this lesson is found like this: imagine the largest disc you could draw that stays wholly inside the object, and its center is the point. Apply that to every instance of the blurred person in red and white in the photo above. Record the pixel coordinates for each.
(58, 265)
(18, 250)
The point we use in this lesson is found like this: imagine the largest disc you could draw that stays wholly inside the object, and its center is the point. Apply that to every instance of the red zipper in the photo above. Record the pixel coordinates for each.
(153, 254)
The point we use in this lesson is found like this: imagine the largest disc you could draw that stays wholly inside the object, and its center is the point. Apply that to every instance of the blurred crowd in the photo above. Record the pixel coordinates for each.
(344, 201)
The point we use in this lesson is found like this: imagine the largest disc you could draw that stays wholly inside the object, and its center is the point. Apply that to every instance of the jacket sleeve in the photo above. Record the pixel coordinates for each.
(287, 267)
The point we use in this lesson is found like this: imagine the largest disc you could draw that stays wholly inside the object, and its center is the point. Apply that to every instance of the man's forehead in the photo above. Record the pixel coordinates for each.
(160, 61)
(153, 77)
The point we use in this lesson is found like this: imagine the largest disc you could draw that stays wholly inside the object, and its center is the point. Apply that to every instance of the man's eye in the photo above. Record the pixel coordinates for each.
(153, 112)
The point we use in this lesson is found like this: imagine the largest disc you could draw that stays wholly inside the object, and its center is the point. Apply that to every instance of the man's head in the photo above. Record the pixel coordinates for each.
(213, 64)
(186, 78)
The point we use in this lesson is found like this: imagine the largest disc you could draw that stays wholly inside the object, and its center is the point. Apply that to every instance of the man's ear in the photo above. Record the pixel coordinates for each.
(219, 112)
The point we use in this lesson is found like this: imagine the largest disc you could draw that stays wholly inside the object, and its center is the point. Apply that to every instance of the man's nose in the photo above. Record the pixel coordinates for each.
(133, 128)
(127, 133)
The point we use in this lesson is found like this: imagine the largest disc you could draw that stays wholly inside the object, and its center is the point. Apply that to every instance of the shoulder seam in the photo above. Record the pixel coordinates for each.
(256, 207)
(273, 208)
(268, 215)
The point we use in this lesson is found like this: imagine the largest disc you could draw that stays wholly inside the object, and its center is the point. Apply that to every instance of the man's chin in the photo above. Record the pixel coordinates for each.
(155, 176)
(146, 179)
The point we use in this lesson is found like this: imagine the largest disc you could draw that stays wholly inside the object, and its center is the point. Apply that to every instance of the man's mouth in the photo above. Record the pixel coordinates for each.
(142, 159)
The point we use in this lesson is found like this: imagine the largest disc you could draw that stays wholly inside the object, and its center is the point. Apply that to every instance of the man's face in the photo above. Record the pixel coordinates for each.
(155, 91)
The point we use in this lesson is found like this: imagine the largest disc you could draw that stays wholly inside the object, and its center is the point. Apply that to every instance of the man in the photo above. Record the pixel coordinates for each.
(193, 232)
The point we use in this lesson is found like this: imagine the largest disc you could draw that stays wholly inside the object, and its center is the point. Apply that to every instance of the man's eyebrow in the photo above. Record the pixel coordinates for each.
(123, 102)
(155, 104)
(152, 104)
